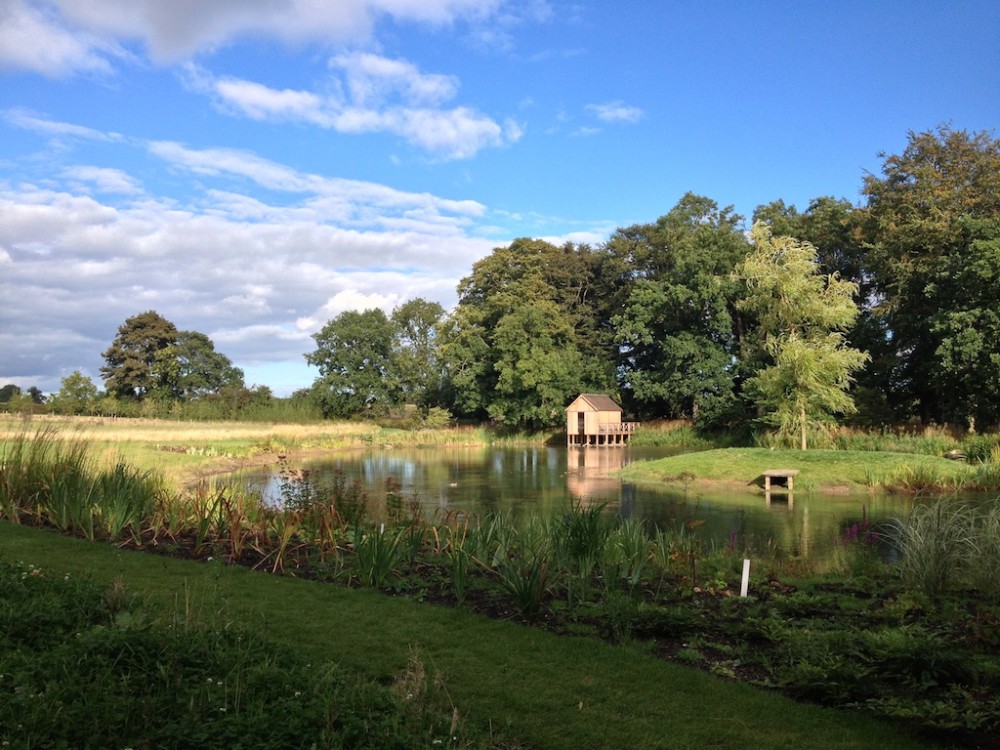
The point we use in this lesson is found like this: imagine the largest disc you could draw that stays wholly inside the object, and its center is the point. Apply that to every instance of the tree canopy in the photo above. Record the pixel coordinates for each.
(676, 332)
(133, 360)
(150, 358)
(929, 219)
(357, 371)
(525, 336)
(803, 316)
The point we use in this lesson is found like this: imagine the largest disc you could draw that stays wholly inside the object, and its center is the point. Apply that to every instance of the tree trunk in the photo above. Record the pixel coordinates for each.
(802, 422)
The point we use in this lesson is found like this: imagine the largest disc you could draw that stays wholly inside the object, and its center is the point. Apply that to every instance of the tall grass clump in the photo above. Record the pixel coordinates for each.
(928, 442)
(921, 478)
(57, 482)
(985, 563)
(524, 566)
(578, 540)
(936, 544)
(627, 555)
(985, 477)
(682, 436)
(25, 463)
(981, 449)
(378, 553)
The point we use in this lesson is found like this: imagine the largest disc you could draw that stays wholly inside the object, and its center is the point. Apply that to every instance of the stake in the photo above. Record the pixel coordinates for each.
(746, 578)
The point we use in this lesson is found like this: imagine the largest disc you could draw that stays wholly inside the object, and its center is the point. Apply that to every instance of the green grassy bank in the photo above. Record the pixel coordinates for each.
(836, 471)
(519, 683)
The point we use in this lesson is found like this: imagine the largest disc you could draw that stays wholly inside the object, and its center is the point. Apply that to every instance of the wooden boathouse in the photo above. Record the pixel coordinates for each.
(594, 419)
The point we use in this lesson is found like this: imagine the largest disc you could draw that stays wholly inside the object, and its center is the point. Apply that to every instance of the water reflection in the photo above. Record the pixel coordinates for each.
(546, 481)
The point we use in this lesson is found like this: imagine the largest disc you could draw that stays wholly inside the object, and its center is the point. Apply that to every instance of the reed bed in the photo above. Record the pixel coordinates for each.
(329, 529)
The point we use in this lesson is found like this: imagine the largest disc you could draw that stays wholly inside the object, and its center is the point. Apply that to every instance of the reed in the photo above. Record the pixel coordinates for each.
(918, 479)
(522, 562)
(936, 543)
(455, 536)
(282, 530)
(378, 555)
(579, 539)
(627, 555)
(985, 561)
(24, 461)
(526, 575)
(70, 498)
(127, 499)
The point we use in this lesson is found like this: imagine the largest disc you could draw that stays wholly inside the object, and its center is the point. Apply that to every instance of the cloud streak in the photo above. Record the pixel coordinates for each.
(371, 94)
(615, 112)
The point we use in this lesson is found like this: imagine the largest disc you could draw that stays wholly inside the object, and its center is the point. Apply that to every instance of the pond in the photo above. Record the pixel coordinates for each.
(545, 481)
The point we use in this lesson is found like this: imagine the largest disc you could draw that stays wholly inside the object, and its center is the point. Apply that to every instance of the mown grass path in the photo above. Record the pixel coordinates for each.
(545, 690)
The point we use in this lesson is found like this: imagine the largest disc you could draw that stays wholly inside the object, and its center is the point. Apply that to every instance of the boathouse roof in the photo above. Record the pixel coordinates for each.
(596, 401)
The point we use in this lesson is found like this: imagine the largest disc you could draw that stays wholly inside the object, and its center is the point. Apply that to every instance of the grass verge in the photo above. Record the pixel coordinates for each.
(544, 690)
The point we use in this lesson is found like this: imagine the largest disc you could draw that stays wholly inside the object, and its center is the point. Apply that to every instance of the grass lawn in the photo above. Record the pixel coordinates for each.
(819, 470)
(528, 685)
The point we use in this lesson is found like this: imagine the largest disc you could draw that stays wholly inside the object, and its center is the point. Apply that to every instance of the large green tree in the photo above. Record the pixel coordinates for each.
(677, 331)
(537, 367)
(150, 358)
(803, 315)
(526, 335)
(928, 222)
(357, 369)
(965, 323)
(191, 368)
(416, 350)
(135, 356)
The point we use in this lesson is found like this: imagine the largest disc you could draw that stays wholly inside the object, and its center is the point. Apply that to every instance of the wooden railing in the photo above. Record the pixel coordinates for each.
(617, 429)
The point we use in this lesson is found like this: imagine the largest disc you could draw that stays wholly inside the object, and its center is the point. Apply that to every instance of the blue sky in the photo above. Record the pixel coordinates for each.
(252, 168)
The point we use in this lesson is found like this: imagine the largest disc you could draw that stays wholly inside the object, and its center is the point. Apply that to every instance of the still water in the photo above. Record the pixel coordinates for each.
(546, 481)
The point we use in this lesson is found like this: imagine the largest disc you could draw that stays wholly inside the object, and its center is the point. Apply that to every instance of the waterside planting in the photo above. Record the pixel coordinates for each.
(894, 641)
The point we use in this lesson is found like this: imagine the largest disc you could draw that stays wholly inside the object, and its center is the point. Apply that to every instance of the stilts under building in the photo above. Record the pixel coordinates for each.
(594, 419)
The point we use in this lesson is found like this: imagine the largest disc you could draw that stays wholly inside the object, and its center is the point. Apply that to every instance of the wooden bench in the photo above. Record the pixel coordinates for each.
(786, 474)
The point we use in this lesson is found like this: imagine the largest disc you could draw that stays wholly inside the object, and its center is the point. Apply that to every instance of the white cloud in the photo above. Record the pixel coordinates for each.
(82, 35)
(28, 120)
(33, 38)
(371, 94)
(372, 79)
(103, 179)
(615, 111)
(352, 202)
(261, 103)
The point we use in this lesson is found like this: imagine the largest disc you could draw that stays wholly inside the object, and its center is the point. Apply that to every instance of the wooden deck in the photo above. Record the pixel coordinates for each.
(786, 476)
(607, 435)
